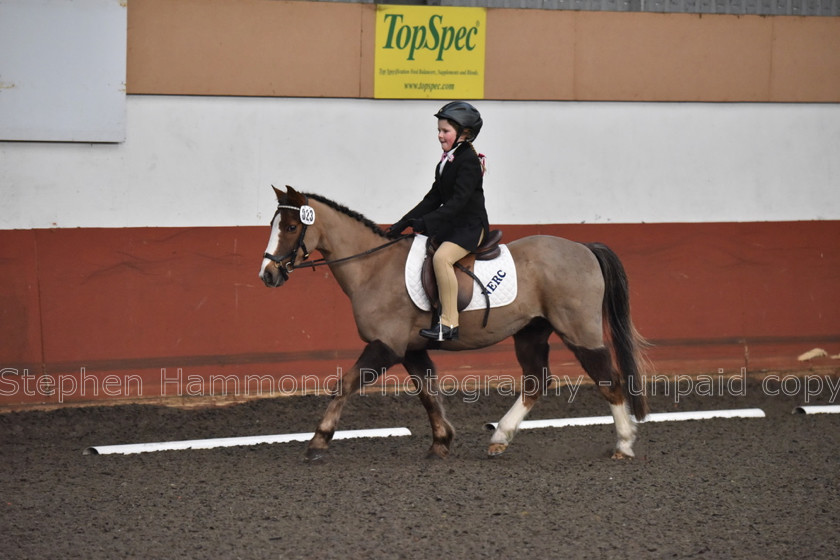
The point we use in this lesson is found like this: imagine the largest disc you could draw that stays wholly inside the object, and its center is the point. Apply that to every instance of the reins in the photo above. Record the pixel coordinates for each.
(323, 261)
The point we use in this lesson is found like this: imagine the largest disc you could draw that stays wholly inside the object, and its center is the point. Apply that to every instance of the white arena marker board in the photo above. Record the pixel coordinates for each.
(705, 415)
(818, 409)
(656, 417)
(130, 448)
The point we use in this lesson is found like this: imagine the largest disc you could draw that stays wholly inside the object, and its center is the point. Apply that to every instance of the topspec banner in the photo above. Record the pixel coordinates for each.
(429, 52)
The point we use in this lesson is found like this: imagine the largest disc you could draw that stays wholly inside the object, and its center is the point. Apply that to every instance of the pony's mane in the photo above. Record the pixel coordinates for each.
(347, 212)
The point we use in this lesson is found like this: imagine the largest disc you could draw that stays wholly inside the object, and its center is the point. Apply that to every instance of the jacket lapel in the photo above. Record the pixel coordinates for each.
(449, 168)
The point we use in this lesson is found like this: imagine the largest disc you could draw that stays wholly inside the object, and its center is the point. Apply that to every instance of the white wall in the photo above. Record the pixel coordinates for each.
(200, 161)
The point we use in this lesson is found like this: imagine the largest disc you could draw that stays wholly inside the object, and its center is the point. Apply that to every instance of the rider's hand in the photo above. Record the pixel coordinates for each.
(418, 225)
(396, 229)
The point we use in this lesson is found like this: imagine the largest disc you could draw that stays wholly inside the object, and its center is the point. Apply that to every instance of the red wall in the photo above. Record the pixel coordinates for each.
(129, 303)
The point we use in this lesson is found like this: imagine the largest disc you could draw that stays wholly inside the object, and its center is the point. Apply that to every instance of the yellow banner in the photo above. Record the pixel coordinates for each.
(429, 52)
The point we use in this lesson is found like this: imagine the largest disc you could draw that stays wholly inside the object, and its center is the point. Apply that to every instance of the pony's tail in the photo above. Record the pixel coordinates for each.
(627, 343)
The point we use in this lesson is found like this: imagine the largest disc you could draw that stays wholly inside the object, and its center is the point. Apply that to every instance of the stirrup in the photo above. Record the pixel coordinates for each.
(440, 333)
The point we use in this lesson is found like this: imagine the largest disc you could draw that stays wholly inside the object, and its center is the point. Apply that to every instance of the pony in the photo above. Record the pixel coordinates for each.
(576, 291)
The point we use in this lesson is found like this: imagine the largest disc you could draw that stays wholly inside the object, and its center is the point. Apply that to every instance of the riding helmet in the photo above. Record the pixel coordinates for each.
(463, 115)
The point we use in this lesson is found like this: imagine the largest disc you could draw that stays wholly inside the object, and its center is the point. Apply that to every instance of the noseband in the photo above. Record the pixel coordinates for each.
(307, 218)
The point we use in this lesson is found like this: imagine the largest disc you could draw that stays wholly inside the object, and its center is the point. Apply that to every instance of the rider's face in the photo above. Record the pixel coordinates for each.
(446, 134)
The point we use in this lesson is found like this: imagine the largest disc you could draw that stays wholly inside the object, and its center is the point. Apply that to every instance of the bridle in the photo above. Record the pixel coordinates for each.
(307, 218)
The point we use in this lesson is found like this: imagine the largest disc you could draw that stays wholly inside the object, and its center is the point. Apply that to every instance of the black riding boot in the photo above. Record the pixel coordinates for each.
(440, 333)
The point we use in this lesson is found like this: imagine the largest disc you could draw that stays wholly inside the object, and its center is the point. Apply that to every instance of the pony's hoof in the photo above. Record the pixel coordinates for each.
(315, 456)
(438, 451)
(496, 449)
(436, 456)
(621, 455)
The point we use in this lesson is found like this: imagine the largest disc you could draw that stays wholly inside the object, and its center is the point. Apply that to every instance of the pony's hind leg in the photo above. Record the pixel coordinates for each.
(376, 357)
(598, 364)
(422, 371)
(531, 344)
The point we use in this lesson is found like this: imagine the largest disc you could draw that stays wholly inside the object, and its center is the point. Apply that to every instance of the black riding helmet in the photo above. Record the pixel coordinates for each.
(463, 115)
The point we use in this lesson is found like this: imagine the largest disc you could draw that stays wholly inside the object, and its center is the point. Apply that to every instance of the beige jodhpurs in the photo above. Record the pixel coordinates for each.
(444, 262)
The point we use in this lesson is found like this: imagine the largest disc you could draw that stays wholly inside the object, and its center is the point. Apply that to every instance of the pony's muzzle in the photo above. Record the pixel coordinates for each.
(273, 274)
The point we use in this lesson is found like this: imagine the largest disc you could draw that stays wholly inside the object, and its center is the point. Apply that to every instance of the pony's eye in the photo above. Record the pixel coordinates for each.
(291, 228)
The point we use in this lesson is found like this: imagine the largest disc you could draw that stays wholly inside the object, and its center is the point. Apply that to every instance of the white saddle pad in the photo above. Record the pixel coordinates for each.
(497, 275)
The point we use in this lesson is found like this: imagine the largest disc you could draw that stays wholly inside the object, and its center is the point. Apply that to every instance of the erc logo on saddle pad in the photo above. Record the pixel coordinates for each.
(497, 277)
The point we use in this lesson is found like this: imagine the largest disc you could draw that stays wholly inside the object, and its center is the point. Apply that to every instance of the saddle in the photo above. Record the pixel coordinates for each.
(487, 251)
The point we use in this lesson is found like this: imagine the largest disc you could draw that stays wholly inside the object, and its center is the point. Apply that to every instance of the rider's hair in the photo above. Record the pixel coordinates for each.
(481, 157)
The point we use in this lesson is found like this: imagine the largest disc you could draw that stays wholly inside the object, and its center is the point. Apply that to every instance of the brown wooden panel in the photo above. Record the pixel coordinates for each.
(530, 54)
(326, 49)
(244, 47)
(806, 59)
(672, 57)
(367, 50)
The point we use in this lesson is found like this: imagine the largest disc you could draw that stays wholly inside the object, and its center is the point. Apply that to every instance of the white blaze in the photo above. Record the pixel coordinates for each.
(273, 242)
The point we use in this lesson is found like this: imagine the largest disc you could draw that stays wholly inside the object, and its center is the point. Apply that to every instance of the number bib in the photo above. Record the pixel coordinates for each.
(307, 215)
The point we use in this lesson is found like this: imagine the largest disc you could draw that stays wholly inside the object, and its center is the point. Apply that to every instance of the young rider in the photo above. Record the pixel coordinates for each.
(453, 212)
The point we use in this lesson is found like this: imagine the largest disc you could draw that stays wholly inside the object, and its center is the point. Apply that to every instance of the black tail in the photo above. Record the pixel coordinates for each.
(627, 342)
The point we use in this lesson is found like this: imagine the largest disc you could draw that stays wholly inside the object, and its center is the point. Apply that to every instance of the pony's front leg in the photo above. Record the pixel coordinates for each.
(376, 358)
(422, 371)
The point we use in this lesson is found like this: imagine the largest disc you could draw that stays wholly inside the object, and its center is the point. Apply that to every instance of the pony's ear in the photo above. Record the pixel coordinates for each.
(294, 196)
(278, 192)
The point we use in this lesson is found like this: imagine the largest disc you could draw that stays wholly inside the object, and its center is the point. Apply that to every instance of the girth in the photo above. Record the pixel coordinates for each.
(464, 272)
